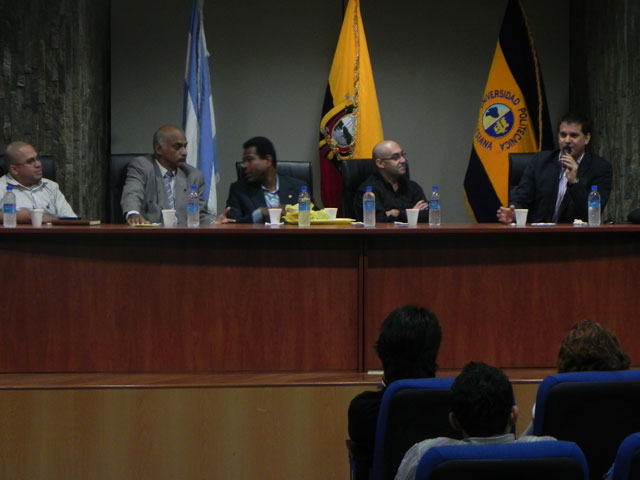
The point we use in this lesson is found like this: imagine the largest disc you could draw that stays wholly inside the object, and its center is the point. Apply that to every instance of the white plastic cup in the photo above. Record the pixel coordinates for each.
(274, 216)
(169, 217)
(331, 212)
(521, 216)
(412, 216)
(36, 217)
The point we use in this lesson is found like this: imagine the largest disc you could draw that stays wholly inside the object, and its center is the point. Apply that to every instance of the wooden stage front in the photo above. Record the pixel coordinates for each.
(245, 298)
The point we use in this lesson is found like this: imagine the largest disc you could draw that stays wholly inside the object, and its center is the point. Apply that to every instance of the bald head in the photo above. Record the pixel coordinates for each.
(22, 162)
(385, 149)
(390, 160)
(170, 147)
(160, 135)
(12, 153)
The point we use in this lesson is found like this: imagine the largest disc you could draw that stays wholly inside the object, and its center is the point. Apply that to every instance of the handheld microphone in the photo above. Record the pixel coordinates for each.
(566, 150)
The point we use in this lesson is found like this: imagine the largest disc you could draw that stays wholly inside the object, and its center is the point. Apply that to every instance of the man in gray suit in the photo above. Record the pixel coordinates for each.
(162, 181)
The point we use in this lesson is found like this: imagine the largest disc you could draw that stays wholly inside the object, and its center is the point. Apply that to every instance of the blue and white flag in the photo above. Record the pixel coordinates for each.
(198, 119)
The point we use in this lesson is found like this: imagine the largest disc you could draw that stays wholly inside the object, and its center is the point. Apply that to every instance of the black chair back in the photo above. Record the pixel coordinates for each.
(354, 172)
(300, 170)
(117, 177)
(517, 164)
(48, 166)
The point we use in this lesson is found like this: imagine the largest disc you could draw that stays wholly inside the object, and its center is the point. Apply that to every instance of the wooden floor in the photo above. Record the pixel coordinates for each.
(187, 426)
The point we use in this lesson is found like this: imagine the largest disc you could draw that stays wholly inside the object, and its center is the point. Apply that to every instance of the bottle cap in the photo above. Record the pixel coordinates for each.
(594, 188)
(304, 188)
(434, 187)
(192, 187)
(9, 188)
(368, 189)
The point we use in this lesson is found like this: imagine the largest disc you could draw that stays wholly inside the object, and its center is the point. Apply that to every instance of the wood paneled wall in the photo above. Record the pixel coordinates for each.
(605, 80)
(182, 433)
(55, 87)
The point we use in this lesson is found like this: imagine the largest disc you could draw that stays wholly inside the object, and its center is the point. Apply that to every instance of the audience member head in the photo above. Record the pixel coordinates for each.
(258, 159)
(390, 160)
(170, 147)
(22, 162)
(590, 346)
(408, 343)
(482, 401)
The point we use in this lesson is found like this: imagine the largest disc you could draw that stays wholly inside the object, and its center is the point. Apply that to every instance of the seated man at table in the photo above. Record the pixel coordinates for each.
(555, 184)
(262, 187)
(24, 174)
(481, 408)
(162, 181)
(393, 190)
(407, 346)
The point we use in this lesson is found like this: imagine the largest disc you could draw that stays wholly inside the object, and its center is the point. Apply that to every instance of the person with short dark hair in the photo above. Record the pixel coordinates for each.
(555, 184)
(481, 408)
(393, 190)
(24, 174)
(408, 345)
(261, 187)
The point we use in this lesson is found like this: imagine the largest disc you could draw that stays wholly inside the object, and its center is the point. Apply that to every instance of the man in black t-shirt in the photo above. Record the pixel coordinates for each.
(393, 190)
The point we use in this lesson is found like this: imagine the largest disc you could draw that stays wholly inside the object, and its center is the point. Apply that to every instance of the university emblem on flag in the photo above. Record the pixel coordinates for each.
(497, 120)
(503, 122)
(339, 130)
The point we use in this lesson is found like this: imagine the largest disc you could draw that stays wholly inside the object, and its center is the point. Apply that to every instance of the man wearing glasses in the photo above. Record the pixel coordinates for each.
(24, 174)
(393, 190)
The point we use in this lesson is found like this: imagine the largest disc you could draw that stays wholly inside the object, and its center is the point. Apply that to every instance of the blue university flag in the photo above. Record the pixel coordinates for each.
(198, 119)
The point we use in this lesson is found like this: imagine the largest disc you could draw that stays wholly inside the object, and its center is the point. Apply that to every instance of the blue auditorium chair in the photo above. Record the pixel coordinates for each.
(596, 410)
(411, 411)
(546, 460)
(627, 463)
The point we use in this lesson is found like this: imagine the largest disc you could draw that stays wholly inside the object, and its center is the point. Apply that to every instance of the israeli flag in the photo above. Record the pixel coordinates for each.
(198, 119)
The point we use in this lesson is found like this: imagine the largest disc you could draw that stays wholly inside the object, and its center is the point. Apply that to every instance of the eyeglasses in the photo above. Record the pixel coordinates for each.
(396, 156)
(29, 162)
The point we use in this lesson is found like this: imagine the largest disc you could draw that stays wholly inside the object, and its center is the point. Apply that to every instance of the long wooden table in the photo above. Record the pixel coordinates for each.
(245, 298)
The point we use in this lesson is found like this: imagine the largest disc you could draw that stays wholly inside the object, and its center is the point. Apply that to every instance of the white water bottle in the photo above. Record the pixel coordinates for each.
(9, 219)
(434, 207)
(304, 208)
(369, 208)
(193, 208)
(594, 206)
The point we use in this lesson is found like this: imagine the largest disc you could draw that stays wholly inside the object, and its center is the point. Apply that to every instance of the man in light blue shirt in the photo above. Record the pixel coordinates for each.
(24, 174)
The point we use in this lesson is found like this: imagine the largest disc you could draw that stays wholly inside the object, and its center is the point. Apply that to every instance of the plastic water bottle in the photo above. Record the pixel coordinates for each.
(369, 208)
(304, 208)
(9, 208)
(594, 206)
(193, 208)
(434, 207)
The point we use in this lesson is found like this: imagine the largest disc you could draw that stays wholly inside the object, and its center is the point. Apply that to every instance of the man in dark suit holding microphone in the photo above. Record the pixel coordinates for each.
(555, 184)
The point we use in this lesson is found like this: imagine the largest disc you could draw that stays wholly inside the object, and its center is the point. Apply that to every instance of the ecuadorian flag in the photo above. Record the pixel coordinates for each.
(513, 116)
(350, 124)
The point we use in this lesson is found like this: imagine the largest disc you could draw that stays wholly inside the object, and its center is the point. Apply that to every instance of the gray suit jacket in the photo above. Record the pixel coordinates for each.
(144, 191)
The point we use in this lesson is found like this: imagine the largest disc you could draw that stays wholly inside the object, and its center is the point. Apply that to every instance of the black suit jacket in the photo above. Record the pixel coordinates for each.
(538, 188)
(245, 197)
